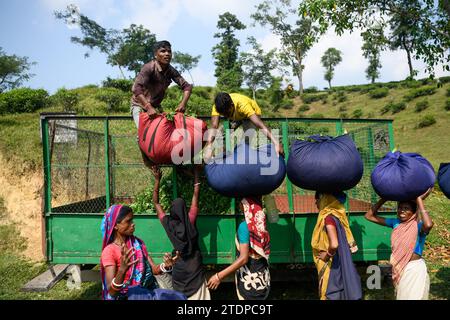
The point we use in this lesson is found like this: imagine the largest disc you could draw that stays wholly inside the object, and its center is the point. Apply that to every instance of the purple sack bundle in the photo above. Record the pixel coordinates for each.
(402, 176)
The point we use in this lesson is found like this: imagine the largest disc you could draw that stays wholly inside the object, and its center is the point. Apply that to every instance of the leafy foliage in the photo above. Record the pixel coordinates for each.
(185, 62)
(228, 67)
(257, 66)
(379, 93)
(422, 105)
(22, 100)
(426, 121)
(373, 43)
(67, 99)
(423, 91)
(13, 70)
(357, 114)
(128, 48)
(426, 22)
(304, 107)
(210, 202)
(330, 59)
(393, 107)
(309, 98)
(296, 38)
(121, 84)
(113, 98)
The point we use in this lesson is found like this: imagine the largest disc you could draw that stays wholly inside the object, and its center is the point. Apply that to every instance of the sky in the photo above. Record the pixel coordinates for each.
(29, 28)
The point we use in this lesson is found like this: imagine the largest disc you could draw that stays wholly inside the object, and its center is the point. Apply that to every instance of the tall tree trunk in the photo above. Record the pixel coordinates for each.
(191, 77)
(329, 83)
(299, 69)
(254, 93)
(408, 53)
(411, 71)
(121, 71)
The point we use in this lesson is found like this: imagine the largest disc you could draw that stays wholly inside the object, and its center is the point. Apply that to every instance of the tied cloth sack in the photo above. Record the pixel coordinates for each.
(325, 164)
(444, 178)
(402, 176)
(170, 142)
(246, 172)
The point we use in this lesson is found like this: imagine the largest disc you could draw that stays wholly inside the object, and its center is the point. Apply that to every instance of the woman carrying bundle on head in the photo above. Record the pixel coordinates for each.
(188, 274)
(409, 271)
(251, 267)
(125, 263)
(333, 244)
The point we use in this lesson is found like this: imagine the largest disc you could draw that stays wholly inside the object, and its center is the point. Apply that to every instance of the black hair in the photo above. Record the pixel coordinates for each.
(161, 44)
(412, 203)
(124, 211)
(223, 103)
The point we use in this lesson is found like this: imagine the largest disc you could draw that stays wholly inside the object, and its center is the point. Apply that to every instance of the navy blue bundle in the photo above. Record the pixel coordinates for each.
(325, 164)
(402, 176)
(444, 178)
(246, 172)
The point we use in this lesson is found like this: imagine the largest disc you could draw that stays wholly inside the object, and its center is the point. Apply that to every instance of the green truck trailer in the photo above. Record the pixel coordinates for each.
(91, 163)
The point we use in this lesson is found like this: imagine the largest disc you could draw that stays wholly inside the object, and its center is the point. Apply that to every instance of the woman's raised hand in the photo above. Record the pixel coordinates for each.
(426, 194)
(169, 261)
(126, 258)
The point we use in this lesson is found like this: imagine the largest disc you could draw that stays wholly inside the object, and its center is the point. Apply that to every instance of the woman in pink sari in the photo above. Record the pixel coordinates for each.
(409, 271)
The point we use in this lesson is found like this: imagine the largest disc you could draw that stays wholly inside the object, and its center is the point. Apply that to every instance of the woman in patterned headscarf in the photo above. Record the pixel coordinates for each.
(252, 275)
(125, 262)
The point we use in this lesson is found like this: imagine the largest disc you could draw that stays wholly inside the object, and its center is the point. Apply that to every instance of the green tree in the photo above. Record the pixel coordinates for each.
(257, 66)
(135, 48)
(402, 34)
(226, 54)
(185, 62)
(373, 43)
(13, 70)
(130, 48)
(296, 38)
(429, 22)
(330, 59)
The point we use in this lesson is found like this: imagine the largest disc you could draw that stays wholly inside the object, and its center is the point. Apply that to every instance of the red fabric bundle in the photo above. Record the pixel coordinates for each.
(170, 142)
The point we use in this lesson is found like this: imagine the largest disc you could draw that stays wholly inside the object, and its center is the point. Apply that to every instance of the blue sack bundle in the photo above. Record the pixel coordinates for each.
(325, 164)
(444, 178)
(402, 176)
(246, 171)
(141, 293)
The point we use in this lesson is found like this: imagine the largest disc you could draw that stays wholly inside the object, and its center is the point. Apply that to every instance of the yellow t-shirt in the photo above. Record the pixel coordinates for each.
(244, 107)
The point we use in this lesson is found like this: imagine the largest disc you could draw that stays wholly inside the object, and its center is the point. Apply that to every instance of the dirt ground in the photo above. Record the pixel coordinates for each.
(22, 199)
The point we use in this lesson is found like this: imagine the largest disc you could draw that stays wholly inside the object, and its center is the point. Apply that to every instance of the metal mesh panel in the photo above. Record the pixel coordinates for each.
(79, 165)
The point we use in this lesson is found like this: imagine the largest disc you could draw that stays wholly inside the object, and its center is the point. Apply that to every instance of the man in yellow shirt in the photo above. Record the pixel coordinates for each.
(240, 110)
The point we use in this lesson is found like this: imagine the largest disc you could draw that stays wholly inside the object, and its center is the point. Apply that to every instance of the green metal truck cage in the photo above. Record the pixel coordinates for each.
(92, 162)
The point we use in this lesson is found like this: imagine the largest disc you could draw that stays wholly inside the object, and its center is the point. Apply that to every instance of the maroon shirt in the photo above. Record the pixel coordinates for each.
(152, 81)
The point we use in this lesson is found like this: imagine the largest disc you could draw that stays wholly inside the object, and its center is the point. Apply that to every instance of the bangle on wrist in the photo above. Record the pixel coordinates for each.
(218, 278)
(330, 255)
(162, 267)
(116, 286)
